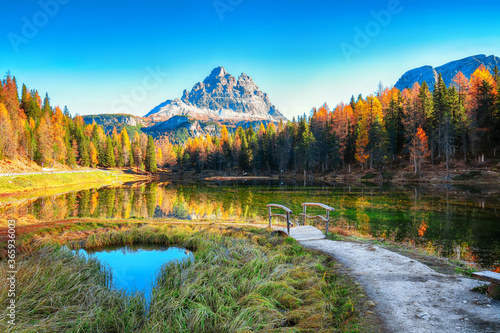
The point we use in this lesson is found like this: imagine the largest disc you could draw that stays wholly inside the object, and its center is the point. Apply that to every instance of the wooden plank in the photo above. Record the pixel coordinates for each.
(280, 206)
(331, 209)
(488, 276)
(305, 233)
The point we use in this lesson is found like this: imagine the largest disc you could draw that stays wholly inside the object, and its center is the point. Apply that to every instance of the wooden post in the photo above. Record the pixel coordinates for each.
(325, 218)
(304, 216)
(270, 217)
(288, 223)
(287, 216)
(327, 221)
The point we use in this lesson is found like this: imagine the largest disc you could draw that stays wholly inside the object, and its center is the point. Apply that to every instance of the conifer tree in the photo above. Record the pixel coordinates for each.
(447, 138)
(394, 126)
(244, 154)
(441, 107)
(378, 145)
(70, 149)
(109, 155)
(150, 160)
(350, 147)
(46, 109)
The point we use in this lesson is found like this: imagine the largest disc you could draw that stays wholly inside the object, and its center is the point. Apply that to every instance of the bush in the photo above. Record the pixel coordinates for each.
(370, 175)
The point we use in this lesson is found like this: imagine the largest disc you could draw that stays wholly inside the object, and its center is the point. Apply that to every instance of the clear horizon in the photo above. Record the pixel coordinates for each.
(93, 57)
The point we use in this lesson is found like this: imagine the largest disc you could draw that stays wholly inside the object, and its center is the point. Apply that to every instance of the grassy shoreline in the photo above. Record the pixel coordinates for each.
(242, 279)
(17, 185)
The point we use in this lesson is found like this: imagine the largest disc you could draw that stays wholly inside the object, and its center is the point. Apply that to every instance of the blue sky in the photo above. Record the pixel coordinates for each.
(97, 56)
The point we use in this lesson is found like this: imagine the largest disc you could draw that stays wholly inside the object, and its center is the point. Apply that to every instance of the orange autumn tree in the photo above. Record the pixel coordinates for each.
(481, 105)
(159, 155)
(414, 109)
(6, 147)
(320, 128)
(128, 159)
(342, 119)
(478, 80)
(387, 96)
(93, 155)
(462, 84)
(59, 149)
(362, 154)
(168, 153)
(419, 150)
(369, 112)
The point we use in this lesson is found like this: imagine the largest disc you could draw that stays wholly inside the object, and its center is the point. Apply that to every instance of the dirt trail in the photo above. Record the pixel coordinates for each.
(410, 296)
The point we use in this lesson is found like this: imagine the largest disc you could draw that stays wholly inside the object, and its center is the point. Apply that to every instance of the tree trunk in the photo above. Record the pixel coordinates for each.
(464, 139)
(447, 164)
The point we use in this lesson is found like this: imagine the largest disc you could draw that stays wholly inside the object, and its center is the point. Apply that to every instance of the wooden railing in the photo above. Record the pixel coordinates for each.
(325, 218)
(287, 216)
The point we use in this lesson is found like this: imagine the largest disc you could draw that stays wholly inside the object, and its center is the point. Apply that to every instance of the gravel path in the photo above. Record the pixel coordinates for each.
(410, 296)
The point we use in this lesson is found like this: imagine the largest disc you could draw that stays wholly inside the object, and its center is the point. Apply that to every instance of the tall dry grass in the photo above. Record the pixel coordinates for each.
(241, 280)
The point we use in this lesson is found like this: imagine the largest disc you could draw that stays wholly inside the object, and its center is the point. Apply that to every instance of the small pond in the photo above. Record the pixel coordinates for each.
(135, 268)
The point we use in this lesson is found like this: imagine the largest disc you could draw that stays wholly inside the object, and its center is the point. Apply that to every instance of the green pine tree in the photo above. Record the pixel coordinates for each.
(150, 160)
(109, 155)
(46, 109)
(394, 126)
(378, 145)
(84, 153)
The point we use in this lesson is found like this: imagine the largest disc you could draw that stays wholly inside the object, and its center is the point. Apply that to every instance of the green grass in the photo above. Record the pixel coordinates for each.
(241, 280)
(463, 269)
(23, 183)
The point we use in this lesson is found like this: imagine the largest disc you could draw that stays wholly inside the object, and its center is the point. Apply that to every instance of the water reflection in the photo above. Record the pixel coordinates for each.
(455, 222)
(135, 268)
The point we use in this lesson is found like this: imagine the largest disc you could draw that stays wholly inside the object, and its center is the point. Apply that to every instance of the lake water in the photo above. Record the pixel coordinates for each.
(135, 268)
(457, 222)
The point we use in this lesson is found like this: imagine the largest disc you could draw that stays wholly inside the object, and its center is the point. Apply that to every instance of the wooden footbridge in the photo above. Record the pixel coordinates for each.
(304, 232)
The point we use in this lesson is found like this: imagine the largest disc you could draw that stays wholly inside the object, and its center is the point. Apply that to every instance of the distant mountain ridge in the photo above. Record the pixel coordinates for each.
(448, 71)
(117, 120)
(220, 97)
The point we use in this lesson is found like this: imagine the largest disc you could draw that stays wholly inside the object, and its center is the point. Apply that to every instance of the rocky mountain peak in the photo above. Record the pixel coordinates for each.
(246, 83)
(218, 72)
(221, 96)
(448, 71)
(218, 80)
